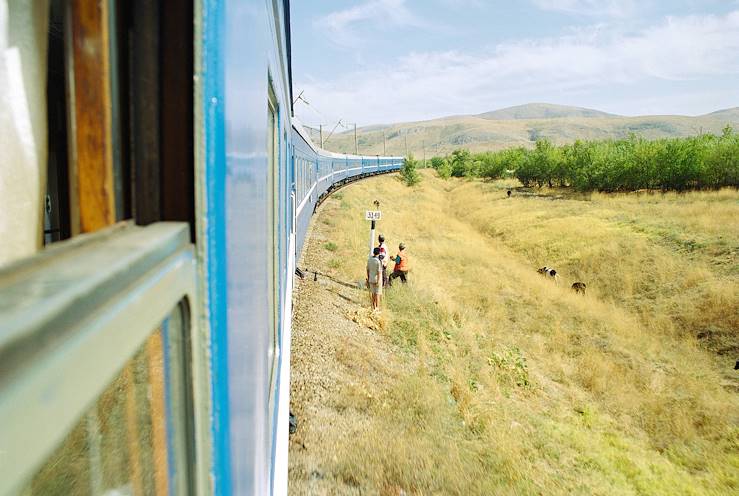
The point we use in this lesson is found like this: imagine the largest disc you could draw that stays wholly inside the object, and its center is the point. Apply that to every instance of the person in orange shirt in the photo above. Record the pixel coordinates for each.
(401, 266)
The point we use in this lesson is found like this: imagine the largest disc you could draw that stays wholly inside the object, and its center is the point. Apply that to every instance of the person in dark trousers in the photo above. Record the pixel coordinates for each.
(401, 266)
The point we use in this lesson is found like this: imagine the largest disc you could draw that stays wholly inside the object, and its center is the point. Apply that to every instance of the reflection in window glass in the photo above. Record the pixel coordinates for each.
(124, 444)
(274, 260)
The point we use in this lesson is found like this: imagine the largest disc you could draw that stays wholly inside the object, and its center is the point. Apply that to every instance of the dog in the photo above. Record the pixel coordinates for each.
(549, 272)
(579, 287)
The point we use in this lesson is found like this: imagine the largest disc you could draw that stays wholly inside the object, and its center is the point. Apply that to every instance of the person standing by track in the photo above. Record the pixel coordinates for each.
(401, 266)
(383, 258)
(374, 278)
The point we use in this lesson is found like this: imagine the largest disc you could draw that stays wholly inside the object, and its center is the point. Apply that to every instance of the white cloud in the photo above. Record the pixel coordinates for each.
(464, 3)
(424, 85)
(344, 27)
(609, 8)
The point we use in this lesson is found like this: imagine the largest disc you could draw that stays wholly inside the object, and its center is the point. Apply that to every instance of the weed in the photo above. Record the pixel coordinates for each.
(510, 367)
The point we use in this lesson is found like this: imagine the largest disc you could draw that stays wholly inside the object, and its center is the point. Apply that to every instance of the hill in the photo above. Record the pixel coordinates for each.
(481, 377)
(520, 126)
(729, 114)
(542, 111)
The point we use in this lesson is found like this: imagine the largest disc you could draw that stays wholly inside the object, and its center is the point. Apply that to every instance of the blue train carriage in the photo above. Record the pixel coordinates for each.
(319, 172)
(154, 197)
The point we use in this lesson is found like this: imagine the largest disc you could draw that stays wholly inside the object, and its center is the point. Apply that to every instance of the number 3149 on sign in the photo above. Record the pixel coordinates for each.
(372, 215)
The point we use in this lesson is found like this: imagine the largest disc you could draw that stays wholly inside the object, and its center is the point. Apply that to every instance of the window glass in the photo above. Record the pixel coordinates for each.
(134, 440)
(273, 172)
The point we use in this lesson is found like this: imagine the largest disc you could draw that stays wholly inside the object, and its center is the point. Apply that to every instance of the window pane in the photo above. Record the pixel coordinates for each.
(124, 444)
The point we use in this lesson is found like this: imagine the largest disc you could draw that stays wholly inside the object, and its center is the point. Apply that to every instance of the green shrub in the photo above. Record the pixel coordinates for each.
(437, 162)
(460, 161)
(444, 170)
(408, 173)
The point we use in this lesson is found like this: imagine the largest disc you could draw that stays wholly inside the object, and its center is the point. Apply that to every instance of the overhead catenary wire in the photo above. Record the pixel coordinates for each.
(340, 122)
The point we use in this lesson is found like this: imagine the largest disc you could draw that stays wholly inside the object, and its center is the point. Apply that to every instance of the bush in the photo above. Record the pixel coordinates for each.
(408, 173)
(461, 163)
(444, 170)
(437, 162)
(492, 165)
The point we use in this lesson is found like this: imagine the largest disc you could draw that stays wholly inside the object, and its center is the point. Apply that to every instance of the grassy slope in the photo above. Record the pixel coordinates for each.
(442, 136)
(521, 387)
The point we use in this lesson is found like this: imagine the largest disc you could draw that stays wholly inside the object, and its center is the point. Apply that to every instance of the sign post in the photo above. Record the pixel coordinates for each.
(374, 216)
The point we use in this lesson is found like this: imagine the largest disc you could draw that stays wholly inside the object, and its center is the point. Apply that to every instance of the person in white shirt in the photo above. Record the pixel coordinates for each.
(374, 278)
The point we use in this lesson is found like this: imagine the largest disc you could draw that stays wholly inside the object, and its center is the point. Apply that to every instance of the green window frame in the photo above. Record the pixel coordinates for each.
(72, 318)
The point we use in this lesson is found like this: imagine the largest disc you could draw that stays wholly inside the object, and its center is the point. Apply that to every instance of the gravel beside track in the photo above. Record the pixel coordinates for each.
(338, 350)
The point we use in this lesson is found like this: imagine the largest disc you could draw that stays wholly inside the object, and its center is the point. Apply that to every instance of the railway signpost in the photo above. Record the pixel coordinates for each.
(373, 216)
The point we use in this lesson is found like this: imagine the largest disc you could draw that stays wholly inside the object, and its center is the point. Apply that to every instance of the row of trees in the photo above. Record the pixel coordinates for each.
(705, 161)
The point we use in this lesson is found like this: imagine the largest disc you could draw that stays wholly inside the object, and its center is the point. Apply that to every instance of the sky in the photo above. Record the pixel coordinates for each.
(385, 61)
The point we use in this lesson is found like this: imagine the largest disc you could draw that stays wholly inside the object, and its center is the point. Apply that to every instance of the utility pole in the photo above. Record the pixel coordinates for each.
(356, 146)
(334, 129)
(424, 153)
(406, 142)
(320, 131)
(384, 144)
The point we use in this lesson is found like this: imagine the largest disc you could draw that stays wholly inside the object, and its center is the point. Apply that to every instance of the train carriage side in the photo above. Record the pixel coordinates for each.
(332, 170)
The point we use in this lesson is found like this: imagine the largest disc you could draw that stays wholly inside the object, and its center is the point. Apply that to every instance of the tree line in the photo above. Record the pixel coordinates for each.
(633, 163)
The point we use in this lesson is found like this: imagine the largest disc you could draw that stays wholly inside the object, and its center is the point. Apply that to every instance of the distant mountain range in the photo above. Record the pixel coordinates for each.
(541, 111)
(521, 125)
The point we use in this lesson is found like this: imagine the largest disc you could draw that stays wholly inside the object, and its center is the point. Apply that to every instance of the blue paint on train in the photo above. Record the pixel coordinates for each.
(215, 284)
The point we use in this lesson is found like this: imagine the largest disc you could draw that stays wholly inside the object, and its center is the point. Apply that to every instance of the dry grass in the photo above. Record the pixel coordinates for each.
(523, 387)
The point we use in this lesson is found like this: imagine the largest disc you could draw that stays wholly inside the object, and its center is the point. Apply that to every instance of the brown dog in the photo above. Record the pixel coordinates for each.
(579, 287)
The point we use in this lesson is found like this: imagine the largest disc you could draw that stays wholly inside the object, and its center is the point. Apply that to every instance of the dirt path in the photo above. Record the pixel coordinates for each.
(338, 353)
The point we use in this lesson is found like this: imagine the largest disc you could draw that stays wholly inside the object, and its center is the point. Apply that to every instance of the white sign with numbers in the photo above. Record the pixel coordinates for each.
(372, 215)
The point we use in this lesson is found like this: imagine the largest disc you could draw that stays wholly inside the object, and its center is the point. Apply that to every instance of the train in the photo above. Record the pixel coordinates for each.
(156, 193)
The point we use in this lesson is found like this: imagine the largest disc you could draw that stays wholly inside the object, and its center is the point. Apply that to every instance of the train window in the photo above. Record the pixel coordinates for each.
(98, 372)
(122, 444)
(273, 235)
